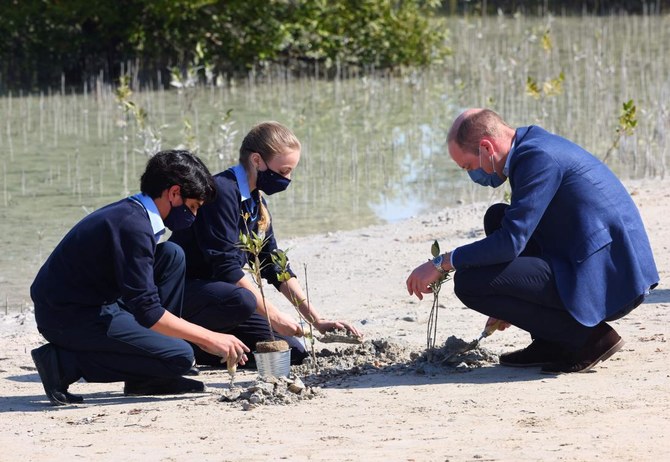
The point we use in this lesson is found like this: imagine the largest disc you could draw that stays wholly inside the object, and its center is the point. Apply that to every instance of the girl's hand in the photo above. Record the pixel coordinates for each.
(326, 326)
(285, 325)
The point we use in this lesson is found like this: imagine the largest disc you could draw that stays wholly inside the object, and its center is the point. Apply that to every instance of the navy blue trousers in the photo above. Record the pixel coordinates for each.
(522, 292)
(224, 307)
(108, 344)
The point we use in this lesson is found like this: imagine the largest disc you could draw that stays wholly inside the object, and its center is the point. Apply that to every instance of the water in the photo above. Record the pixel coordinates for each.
(373, 147)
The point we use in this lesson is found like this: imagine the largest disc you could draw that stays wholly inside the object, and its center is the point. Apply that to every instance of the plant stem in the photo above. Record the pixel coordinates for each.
(311, 330)
(431, 333)
(260, 287)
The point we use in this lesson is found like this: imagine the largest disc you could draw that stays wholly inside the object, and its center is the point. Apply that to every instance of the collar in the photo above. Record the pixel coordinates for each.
(509, 156)
(157, 225)
(242, 182)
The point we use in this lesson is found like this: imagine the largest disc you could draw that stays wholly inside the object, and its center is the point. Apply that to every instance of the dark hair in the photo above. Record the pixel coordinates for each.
(178, 167)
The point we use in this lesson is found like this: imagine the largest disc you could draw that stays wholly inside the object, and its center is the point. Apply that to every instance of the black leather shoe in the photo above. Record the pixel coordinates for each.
(161, 386)
(603, 343)
(193, 371)
(538, 353)
(46, 361)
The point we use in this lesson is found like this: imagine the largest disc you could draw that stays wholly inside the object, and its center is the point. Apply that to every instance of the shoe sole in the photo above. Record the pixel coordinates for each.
(616, 347)
(174, 393)
(521, 366)
(606, 355)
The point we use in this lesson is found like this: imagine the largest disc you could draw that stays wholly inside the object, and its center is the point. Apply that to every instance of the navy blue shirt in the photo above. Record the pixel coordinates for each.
(211, 244)
(106, 256)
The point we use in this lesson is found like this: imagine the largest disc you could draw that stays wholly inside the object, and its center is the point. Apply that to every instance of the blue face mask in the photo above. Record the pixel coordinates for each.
(271, 182)
(179, 218)
(480, 176)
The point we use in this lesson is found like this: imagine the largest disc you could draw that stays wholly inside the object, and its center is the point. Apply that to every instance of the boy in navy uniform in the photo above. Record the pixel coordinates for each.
(104, 297)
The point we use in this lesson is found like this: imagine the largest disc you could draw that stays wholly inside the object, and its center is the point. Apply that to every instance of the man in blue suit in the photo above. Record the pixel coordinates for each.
(567, 254)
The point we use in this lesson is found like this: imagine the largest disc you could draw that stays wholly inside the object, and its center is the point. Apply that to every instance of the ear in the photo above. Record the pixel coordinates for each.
(256, 160)
(487, 146)
(174, 192)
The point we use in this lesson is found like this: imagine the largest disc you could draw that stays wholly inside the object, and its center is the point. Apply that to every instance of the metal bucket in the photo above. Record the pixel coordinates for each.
(273, 363)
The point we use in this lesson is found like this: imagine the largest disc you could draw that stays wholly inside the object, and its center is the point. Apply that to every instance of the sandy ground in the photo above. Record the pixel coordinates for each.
(618, 411)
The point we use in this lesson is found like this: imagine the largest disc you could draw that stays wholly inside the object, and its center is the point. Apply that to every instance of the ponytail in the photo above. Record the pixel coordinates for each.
(264, 216)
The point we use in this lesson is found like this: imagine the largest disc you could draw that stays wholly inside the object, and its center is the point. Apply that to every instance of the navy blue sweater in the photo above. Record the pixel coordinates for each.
(211, 244)
(106, 256)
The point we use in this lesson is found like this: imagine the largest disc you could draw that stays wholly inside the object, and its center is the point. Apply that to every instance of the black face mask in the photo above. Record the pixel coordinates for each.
(271, 182)
(179, 218)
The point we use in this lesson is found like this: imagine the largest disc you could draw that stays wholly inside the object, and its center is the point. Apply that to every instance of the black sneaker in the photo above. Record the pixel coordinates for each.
(46, 361)
(162, 386)
(603, 343)
(538, 353)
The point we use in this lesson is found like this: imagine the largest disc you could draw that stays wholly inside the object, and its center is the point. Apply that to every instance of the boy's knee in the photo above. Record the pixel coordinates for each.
(183, 359)
(246, 300)
(172, 253)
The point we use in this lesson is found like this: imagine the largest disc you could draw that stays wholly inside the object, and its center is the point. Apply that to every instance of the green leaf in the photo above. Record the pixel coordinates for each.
(532, 88)
(435, 249)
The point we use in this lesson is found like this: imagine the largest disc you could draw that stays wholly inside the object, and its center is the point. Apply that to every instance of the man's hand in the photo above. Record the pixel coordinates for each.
(418, 283)
(493, 324)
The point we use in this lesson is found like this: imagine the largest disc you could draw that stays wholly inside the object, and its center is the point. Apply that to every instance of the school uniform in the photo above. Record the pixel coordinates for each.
(102, 288)
(215, 263)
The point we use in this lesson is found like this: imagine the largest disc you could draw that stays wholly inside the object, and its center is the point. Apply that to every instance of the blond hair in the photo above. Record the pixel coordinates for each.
(268, 139)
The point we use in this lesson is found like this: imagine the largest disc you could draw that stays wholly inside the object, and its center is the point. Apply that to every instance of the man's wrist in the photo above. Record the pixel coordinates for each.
(438, 263)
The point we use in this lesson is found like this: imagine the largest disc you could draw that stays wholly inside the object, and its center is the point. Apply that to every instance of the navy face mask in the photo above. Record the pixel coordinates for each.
(179, 218)
(480, 176)
(271, 182)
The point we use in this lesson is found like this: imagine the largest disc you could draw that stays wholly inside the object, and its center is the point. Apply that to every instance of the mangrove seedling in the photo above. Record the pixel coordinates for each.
(626, 127)
(253, 244)
(431, 333)
(280, 260)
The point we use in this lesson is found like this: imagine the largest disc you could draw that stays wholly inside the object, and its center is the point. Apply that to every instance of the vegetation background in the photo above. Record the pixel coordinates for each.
(46, 42)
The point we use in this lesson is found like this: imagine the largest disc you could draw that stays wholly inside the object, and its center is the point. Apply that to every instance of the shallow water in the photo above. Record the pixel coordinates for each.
(373, 147)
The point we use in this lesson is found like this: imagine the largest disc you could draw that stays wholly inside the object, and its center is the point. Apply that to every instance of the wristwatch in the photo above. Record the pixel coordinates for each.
(437, 262)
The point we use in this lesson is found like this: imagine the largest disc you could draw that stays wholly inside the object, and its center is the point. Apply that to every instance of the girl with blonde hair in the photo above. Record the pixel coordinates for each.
(218, 295)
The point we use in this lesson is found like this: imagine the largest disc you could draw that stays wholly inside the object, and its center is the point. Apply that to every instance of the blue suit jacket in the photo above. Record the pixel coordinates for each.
(586, 223)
